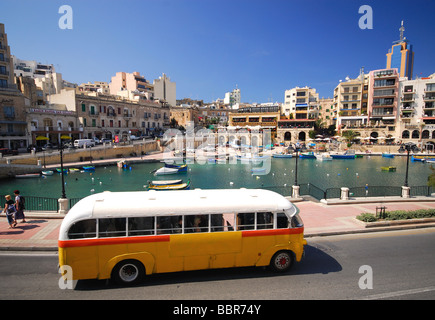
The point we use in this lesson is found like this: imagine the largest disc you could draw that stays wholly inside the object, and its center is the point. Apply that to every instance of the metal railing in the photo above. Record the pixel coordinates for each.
(33, 203)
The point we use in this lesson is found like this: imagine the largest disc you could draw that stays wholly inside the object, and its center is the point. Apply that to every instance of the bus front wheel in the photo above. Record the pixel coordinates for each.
(282, 261)
(128, 272)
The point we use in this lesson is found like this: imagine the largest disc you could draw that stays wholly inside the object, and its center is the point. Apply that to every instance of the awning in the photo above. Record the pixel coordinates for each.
(65, 137)
(41, 138)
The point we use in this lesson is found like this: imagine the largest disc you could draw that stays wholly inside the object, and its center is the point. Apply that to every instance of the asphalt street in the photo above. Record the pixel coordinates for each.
(396, 264)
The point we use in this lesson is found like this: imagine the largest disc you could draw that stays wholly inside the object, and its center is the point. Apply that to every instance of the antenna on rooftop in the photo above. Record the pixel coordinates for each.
(401, 29)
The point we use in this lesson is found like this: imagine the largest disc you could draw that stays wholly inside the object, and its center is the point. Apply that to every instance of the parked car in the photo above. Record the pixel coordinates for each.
(48, 146)
(32, 146)
(105, 140)
(6, 151)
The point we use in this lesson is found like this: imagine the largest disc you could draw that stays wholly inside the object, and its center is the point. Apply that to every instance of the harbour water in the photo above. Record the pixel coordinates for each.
(323, 174)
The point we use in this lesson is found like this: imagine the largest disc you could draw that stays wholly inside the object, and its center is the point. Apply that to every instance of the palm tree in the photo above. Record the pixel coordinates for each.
(350, 135)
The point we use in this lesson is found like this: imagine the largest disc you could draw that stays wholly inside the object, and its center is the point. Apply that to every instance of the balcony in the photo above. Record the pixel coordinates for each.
(429, 97)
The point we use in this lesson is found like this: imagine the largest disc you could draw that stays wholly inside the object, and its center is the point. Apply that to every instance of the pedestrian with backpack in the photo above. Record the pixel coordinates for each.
(10, 211)
(19, 205)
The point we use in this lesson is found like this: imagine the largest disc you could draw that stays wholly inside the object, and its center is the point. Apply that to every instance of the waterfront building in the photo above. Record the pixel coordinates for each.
(417, 110)
(165, 90)
(401, 56)
(383, 97)
(12, 101)
(106, 116)
(350, 102)
(301, 104)
(327, 111)
(255, 119)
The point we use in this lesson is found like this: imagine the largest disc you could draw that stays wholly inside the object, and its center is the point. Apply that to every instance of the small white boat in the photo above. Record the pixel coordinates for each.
(28, 175)
(282, 155)
(48, 172)
(323, 156)
(165, 170)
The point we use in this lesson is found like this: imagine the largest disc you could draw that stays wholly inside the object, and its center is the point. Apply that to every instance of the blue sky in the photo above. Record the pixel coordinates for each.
(209, 46)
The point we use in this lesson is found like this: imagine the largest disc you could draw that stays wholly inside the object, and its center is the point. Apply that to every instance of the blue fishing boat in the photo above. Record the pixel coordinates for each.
(307, 155)
(349, 154)
(88, 168)
(387, 155)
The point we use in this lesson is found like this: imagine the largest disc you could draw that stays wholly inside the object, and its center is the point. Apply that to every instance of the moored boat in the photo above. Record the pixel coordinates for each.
(307, 155)
(59, 170)
(165, 170)
(349, 154)
(88, 168)
(282, 155)
(390, 169)
(422, 158)
(28, 175)
(387, 155)
(166, 182)
(323, 156)
(47, 172)
(161, 187)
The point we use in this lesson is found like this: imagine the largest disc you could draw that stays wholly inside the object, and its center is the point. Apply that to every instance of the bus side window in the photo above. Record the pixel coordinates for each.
(282, 221)
(83, 229)
(169, 224)
(217, 223)
(246, 221)
(140, 226)
(264, 220)
(111, 227)
(196, 223)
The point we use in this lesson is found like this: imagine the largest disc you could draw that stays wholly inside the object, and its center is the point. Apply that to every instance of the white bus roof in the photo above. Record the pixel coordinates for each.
(156, 203)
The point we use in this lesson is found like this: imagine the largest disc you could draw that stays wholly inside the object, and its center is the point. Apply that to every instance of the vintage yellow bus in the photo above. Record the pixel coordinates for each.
(127, 235)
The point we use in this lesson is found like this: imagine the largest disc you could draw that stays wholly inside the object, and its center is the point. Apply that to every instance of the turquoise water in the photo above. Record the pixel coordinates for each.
(323, 174)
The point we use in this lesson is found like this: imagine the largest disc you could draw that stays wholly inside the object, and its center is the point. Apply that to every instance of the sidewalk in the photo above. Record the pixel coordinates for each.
(40, 232)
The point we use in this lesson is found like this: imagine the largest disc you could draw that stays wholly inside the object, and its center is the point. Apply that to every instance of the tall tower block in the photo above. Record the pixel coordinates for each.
(401, 56)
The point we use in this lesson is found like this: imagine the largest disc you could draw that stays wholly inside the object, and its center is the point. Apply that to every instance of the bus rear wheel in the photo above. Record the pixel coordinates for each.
(128, 272)
(282, 261)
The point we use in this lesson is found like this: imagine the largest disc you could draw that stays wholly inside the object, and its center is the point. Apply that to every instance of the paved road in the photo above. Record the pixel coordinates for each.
(401, 262)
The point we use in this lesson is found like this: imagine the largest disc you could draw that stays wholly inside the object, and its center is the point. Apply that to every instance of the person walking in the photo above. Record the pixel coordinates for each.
(19, 205)
(10, 211)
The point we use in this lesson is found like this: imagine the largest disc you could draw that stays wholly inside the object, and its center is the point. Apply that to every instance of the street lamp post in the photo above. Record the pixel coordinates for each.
(61, 171)
(408, 147)
(297, 149)
(295, 188)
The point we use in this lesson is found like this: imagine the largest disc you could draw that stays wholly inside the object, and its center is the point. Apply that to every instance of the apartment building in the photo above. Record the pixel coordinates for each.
(232, 98)
(97, 86)
(12, 101)
(6, 61)
(301, 103)
(417, 109)
(127, 84)
(351, 102)
(165, 90)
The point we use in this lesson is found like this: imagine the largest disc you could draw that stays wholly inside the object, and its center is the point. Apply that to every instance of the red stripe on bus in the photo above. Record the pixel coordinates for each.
(273, 232)
(110, 241)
